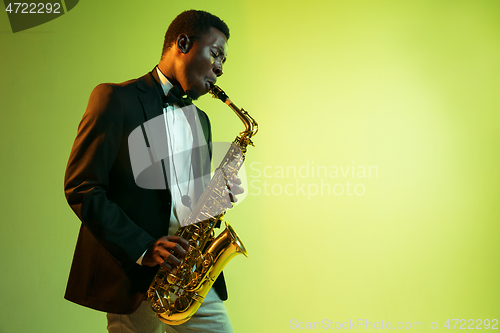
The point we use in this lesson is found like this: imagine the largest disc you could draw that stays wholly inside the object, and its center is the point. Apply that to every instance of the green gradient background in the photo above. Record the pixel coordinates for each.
(411, 87)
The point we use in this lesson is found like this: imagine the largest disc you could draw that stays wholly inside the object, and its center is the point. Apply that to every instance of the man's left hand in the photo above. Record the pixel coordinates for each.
(235, 188)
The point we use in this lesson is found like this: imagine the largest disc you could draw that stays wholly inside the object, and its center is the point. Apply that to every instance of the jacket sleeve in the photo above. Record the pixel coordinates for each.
(87, 178)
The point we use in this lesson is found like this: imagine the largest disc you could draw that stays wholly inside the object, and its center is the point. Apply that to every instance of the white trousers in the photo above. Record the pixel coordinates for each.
(210, 317)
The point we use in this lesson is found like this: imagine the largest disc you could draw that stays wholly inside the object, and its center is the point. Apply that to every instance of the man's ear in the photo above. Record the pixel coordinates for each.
(184, 44)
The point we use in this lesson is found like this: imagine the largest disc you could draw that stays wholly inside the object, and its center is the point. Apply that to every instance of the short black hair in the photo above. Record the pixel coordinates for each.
(193, 23)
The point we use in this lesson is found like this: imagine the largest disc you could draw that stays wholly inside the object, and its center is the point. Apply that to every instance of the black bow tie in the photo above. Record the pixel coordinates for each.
(174, 97)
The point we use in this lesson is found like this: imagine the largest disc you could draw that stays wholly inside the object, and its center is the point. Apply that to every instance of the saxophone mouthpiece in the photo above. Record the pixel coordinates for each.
(217, 92)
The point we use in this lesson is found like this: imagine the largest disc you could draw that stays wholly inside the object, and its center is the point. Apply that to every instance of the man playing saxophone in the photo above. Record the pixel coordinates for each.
(128, 230)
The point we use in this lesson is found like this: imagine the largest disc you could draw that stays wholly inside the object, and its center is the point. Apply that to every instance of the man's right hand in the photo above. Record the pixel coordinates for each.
(159, 253)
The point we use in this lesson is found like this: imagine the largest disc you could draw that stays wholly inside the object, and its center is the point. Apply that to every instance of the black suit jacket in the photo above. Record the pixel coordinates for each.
(119, 219)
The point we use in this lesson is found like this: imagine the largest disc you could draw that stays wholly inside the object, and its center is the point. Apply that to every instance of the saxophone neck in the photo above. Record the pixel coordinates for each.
(251, 126)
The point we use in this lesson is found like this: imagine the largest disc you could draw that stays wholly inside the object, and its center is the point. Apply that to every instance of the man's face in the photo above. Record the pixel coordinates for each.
(203, 63)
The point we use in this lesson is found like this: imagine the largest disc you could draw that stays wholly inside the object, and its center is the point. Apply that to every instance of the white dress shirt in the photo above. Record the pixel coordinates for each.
(179, 144)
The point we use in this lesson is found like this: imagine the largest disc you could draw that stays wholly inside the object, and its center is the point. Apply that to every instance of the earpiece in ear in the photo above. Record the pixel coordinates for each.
(183, 43)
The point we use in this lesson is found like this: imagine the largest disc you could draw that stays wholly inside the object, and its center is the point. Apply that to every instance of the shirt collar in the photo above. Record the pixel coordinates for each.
(165, 83)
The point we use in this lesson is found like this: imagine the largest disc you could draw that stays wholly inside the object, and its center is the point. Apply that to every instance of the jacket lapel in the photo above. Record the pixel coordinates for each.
(149, 97)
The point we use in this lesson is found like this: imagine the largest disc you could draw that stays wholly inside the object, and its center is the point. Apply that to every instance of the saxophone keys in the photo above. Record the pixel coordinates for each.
(188, 276)
(160, 303)
(207, 263)
(181, 303)
(172, 279)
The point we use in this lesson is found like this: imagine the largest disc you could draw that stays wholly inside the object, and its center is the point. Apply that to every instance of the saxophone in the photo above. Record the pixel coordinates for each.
(176, 296)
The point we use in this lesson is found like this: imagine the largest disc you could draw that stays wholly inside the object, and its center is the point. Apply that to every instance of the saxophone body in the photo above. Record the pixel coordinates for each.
(176, 296)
